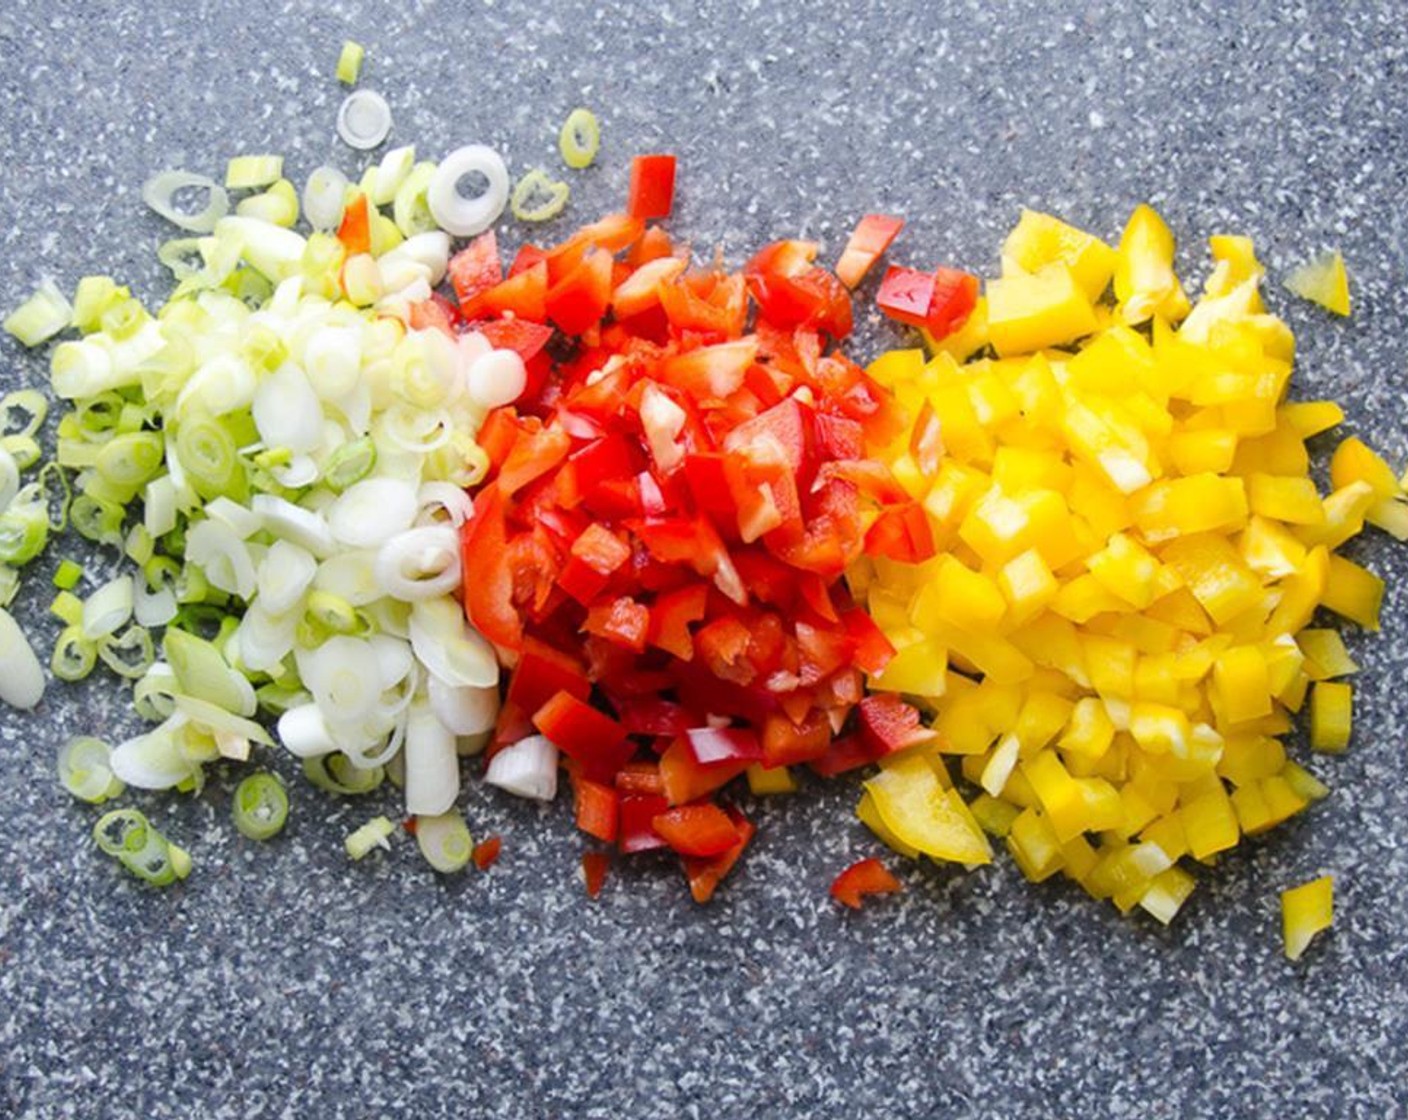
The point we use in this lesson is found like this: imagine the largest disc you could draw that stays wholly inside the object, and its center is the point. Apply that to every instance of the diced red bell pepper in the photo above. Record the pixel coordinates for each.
(906, 295)
(640, 291)
(652, 186)
(541, 673)
(842, 756)
(637, 813)
(705, 875)
(812, 300)
(901, 533)
(686, 780)
(712, 745)
(781, 258)
(597, 807)
(526, 257)
(488, 578)
(487, 851)
(594, 739)
(711, 373)
(533, 455)
(595, 865)
(622, 620)
(888, 724)
(355, 231)
(436, 313)
(671, 616)
(873, 235)
(873, 649)
(474, 270)
(786, 743)
(955, 296)
(697, 830)
(864, 877)
(523, 295)
(780, 434)
(577, 302)
(640, 777)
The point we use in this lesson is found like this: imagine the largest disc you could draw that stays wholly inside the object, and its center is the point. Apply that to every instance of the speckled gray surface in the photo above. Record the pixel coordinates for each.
(280, 981)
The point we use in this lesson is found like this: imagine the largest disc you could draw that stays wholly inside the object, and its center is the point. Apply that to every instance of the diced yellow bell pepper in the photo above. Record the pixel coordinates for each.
(993, 815)
(1241, 687)
(1145, 283)
(918, 669)
(1310, 418)
(1323, 281)
(896, 367)
(1305, 911)
(1353, 461)
(1331, 715)
(1353, 592)
(1209, 822)
(1325, 654)
(1304, 783)
(957, 596)
(1000, 765)
(763, 782)
(1034, 846)
(1270, 549)
(1199, 503)
(921, 813)
(1027, 584)
(1215, 575)
(1166, 894)
(1294, 500)
(1301, 593)
(1167, 832)
(968, 339)
(870, 817)
(1039, 239)
(1127, 570)
(1202, 450)
(1033, 311)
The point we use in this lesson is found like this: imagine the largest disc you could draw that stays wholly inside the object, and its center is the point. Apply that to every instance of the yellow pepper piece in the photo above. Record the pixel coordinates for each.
(870, 817)
(1331, 715)
(1039, 239)
(1355, 462)
(1166, 894)
(1323, 281)
(1325, 654)
(1034, 846)
(762, 782)
(968, 339)
(919, 812)
(1029, 312)
(1145, 283)
(1305, 911)
(1353, 592)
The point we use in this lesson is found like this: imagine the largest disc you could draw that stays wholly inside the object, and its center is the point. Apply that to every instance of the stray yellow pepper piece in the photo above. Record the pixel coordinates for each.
(917, 809)
(1323, 281)
(1305, 911)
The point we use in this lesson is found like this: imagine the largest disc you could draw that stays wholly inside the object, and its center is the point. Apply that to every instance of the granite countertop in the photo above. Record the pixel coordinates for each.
(283, 981)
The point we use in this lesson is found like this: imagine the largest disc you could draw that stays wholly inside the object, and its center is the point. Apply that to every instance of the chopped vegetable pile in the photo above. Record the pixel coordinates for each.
(1050, 580)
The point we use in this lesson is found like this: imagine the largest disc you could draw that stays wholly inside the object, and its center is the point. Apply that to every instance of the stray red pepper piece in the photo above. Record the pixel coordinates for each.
(697, 830)
(955, 296)
(901, 533)
(486, 852)
(705, 874)
(906, 294)
(873, 235)
(652, 186)
(355, 232)
(521, 335)
(594, 868)
(488, 578)
(637, 815)
(577, 302)
(597, 809)
(864, 877)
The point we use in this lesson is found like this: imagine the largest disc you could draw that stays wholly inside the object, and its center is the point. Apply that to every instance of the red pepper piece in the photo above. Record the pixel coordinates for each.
(786, 742)
(436, 313)
(595, 865)
(649, 715)
(541, 673)
(906, 294)
(842, 756)
(526, 257)
(577, 302)
(652, 186)
(901, 533)
(705, 874)
(355, 230)
(474, 270)
(711, 745)
(955, 296)
(873, 235)
(873, 649)
(637, 815)
(640, 777)
(686, 780)
(597, 809)
(671, 616)
(524, 295)
(486, 852)
(711, 373)
(488, 582)
(622, 620)
(888, 724)
(533, 455)
(595, 740)
(697, 830)
(864, 877)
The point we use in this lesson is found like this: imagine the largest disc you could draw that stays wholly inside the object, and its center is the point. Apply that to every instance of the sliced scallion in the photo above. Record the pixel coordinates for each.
(21, 677)
(250, 172)
(444, 841)
(349, 62)
(537, 198)
(159, 192)
(23, 412)
(373, 834)
(41, 316)
(74, 655)
(580, 139)
(260, 806)
(85, 770)
(364, 120)
(456, 214)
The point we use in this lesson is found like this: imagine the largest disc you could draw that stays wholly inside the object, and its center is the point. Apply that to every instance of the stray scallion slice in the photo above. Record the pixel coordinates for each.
(127, 836)
(160, 191)
(373, 834)
(260, 806)
(537, 198)
(129, 655)
(364, 121)
(249, 172)
(336, 773)
(349, 62)
(23, 450)
(74, 655)
(85, 770)
(580, 139)
(22, 412)
(41, 316)
(444, 841)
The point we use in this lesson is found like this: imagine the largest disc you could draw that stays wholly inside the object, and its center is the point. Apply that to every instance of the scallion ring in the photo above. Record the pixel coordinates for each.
(364, 120)
(580, 139)
(85, 770)
(537, 186)
(324, 198)
(461, 216)
(159, 192)
(260, 806)
(22, 412)
(74, 655)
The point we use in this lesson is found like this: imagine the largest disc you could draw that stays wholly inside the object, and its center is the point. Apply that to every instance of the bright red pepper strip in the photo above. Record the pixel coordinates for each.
(864, 877)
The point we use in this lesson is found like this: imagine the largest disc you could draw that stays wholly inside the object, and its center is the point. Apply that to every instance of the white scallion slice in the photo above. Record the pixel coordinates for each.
(159, 192)
(287, 411)
(373, 511)
(497, 378)
(303, 527)
(447, 498)
(285, 574)
(528, 768)
(108, 609)
(580, 139)
(222, 556)
(304, 732)
(41, 316)
(449, 647)
(444, 841)
(85, 770)
(364, 120)
(21, 676)
(374, 834)
(432, 764)
(456, 214)
(325, 198)
(464, 709)
(250, 172)
(154, 760)
(391, 172)
(420, 563)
